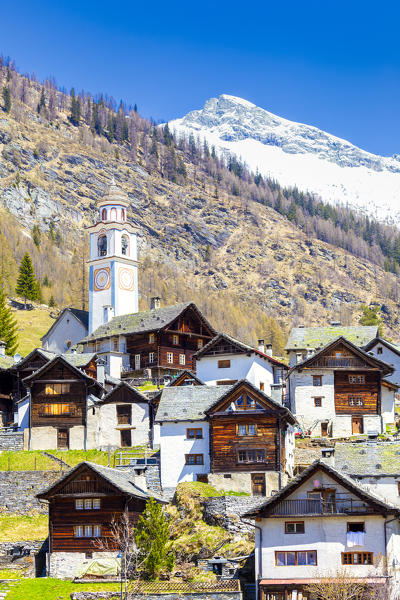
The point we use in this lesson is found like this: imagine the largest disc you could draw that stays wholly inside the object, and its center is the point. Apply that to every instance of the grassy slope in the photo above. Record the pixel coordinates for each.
(32, 324)
(55, 589)
(16, 528)
(25, 460)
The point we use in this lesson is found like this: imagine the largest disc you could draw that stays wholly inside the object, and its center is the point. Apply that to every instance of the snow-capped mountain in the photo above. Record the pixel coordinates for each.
(298, 154)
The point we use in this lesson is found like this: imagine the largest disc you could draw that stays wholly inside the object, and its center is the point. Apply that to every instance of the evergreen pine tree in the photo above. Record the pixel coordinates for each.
(75, 109)
(6, 99)
(370, 316)
(42, 101)
(52, 302)
(8, 325)
(152, 539)
(27, 286)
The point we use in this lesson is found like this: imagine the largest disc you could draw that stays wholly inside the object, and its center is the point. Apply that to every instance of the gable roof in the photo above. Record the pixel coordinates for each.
(241, 346)
(355, 488)
(120, 479)
(368, 458)
(302, 338)
(188, 403)
(76, 359)
(145, 321)
(371, 360)
(378, 340)
(185, 375)
(279, 407)
(137, 395)
(81, 315)
(61, 358)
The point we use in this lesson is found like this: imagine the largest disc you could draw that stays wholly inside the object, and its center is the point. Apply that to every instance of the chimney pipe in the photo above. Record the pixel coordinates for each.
(2, 348)
(268, 349)
(299, 357)
(260, 345)
(155, 302)
(328, 456)
(101, 373)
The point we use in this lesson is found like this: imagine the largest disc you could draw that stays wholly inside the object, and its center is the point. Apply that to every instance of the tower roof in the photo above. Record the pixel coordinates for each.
(114, 195)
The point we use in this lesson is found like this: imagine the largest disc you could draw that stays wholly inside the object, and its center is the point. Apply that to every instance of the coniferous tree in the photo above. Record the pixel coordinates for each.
(152, 539)
(42, 101)
(75, 109)
(6, 99)
(27, 286)
(8, 325)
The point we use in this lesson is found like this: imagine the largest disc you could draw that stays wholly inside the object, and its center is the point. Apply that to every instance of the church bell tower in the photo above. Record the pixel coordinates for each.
(113, 274)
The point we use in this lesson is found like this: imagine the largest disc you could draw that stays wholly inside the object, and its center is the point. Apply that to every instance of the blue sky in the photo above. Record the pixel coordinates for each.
(332, 64)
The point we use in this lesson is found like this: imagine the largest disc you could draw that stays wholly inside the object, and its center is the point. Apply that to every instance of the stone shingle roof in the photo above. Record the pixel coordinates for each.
(302, 338)
(141, 322)
(77, 359)
(188, 403)
(368, 458)
(81, 315)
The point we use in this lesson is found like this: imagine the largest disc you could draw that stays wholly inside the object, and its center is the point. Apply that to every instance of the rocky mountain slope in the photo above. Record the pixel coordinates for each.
(250, 270)
(299, 155)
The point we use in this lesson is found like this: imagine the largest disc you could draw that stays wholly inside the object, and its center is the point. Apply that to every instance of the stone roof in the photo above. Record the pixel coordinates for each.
(241, 345)
(119, 478)
(188, 403)
(302, 338)
(76, 359)
(81, 315)
(142, 322)
(368, 458)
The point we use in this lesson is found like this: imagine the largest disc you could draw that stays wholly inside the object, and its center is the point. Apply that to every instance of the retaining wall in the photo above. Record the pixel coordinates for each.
(180, 596)
(12, 441)
(226, 511)
(19, 488)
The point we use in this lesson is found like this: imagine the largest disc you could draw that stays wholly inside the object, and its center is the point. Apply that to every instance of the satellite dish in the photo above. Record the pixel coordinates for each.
(17, 357)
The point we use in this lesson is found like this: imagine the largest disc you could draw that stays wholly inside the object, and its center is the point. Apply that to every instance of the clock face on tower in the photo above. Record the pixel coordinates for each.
(102, 279)
(126, 278)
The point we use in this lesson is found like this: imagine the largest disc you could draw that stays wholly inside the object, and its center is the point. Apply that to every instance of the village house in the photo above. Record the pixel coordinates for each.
(68, 329)
(235, 437)
(340, 391)
(120, 419)
(53, 414)
(389, 353)
(82, 506)
(305, 341)
(225, 361)
(320, 524)
(6, 388)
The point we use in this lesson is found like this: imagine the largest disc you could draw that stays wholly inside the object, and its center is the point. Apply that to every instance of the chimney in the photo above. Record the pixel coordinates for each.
(73, 351)
(260, 345)
(2, 348)
(268, 349)
(328, 456)
(299, 357)
(155, 302)
(101, 373)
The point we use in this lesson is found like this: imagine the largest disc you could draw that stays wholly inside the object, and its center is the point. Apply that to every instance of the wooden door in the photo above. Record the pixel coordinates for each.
(357, 425)
(258, 484)
(63, 439)
(126, 438)
(324, 429)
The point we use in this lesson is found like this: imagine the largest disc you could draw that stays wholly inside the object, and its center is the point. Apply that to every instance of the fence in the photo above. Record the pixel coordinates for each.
(185, 587)
(140, 458)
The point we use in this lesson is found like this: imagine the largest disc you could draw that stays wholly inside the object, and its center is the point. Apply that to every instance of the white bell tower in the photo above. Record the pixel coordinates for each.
(113, 274)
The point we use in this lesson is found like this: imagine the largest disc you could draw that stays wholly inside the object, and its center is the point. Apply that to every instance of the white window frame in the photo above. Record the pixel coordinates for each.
(79, 505)
(182, 359)
(175, 339)
(137, 362)
(79, 531)
(151, 357)
(170, 358)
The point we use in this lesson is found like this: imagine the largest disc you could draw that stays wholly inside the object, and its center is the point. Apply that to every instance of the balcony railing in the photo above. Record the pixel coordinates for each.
(86, 487)
(315, 506)
(333, 361)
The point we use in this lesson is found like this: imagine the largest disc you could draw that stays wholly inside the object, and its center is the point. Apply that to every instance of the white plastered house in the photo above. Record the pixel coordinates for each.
(68, 329)
(389, 353)
(320, 525)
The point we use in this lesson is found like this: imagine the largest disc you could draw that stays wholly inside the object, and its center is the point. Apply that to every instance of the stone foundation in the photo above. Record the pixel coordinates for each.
(12, 441)
(241, 482)
(65, 565)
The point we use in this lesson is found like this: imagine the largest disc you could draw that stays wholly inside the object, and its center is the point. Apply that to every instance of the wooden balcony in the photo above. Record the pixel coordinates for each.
(86, 487)
(314, 506)
(344, 362)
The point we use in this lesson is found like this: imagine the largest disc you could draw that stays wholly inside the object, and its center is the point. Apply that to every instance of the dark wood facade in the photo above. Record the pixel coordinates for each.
(251, 437)
(82, 500)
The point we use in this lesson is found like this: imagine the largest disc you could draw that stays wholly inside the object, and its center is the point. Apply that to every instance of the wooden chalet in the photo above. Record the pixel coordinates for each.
(58, 403)
(247, 431)
(163, 340)
(84, 502)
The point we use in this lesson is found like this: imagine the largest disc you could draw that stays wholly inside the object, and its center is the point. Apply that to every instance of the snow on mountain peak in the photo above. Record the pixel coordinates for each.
(299, 155)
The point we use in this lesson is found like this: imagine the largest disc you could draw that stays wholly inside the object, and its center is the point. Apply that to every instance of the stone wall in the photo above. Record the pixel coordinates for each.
(65, 565)
(19, 488)
(12, 441)
(226, 511)
(192, 596)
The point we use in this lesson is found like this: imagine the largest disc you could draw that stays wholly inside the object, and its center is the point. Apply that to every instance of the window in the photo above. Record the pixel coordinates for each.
(251, 456)
(137, 362)
(194, 434)
(199, 344)
(88, 504)
(356, 379)
(113, 214)
(123, 214)
(246, 402)
(294, 527)
(78, 531)
(182, 359)
(224, 364)
(102, 245)
(125, 245)
(379, 350)
(355, 527)
(357, 558)
(356, 401)
(318, 401)
(226, 381)
(170, 357)
(295, 559)
(151, 357)
(175, 340)
(104, 215)
(79, 504)
(96, 503)
(115, 344)
(56, 389)
(88, 531)
(262, 386)
(317, 380)
(124, 414)
(194, 459)
(53, 410)
(247, 429)
(151, 338)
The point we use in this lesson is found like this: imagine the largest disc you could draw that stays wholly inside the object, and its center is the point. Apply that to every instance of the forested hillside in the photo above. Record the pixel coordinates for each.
(255, 257)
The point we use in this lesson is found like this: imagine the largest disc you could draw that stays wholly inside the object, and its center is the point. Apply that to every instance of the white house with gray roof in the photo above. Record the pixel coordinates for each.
(388, 352)
(68, 329)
